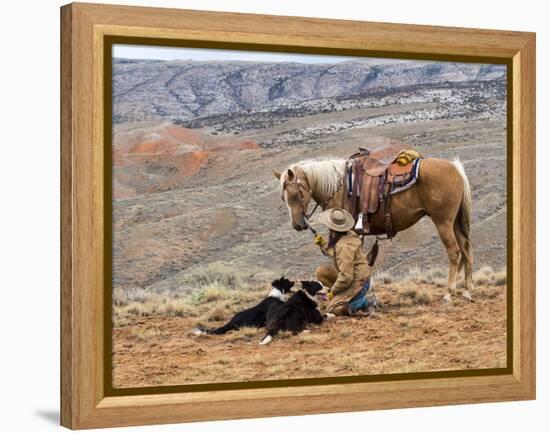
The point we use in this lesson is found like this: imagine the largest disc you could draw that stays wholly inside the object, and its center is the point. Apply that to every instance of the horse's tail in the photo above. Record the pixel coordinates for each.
(462, 226)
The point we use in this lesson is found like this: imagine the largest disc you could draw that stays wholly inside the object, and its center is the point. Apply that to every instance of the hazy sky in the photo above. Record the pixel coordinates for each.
(202, 54)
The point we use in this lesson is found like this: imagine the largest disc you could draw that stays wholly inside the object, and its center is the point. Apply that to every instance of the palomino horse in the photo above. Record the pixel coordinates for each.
(442, 192)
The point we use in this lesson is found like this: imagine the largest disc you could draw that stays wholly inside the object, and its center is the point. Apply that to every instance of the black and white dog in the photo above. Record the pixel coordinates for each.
(257, 315)
(302, 308)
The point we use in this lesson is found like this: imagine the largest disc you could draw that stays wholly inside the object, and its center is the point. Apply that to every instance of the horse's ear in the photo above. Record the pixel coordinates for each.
(276, 174)
(290, 174)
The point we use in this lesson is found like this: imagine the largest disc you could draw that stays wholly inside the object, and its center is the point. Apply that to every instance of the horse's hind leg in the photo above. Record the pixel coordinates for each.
(466, 259)
(467, 277)
(447, 235)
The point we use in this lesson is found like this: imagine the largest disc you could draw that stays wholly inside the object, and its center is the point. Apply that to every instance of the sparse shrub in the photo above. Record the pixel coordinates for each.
(409, 293)
(442, 282)
(416, 297)
(501, 278)
(209, 294)
(435, 276)
(349, 365)
(174, 307)
(217, 314)
(197, 277)
(413, 275)
(120, 297)
(483, 276)
(487, 276)
(384, 278)
(210, 303)
(212, 275)
(423, 299)
(127, 308)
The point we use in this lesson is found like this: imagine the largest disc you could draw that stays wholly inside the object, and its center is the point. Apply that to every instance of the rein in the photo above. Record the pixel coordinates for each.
(301, 189)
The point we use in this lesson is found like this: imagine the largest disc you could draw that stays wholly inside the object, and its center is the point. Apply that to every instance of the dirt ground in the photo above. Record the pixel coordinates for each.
(413, 331)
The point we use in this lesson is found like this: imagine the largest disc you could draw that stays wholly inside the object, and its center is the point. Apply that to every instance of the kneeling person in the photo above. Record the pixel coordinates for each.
(347, 278)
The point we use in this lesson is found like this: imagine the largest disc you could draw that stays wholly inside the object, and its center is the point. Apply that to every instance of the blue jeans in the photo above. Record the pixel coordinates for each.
(360, 301)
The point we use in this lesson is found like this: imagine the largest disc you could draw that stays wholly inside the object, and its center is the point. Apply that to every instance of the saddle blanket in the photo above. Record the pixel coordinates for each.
(410, 183)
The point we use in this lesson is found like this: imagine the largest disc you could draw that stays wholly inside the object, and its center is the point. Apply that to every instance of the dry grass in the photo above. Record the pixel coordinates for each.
(417, 297)
(484, 276)
(217, 298)
(212, 275)
(220, 293)
(199, 277)
(218, 313)
(435, 276)
(127, 309)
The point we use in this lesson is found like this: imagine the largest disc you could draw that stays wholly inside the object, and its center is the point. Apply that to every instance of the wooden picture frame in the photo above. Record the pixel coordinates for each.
(85, 30)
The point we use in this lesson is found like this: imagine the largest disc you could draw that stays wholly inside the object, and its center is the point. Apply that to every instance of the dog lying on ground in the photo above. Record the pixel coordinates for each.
(257, 315)
(302, 308)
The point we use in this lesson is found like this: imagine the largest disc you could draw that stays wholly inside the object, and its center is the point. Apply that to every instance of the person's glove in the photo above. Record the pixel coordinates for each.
(320, 240)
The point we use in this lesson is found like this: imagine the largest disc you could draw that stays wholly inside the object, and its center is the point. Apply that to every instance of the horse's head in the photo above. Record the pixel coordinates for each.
(296, 194)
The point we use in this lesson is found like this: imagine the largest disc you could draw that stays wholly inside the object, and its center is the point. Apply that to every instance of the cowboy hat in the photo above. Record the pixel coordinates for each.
(337, 219)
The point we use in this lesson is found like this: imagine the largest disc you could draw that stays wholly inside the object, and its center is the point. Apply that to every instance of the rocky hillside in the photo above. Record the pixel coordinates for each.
(184, 91)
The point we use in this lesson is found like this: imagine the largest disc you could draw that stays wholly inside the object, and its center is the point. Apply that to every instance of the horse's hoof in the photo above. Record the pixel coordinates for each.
(447, 298)
(467, 296)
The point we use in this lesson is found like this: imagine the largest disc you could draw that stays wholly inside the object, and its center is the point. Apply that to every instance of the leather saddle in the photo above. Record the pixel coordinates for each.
(373, 183)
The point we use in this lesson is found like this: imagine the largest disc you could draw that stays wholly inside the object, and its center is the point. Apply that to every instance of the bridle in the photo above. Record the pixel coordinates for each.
(301, 189)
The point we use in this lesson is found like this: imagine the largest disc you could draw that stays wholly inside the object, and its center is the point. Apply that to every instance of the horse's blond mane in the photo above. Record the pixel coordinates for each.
(324, 176)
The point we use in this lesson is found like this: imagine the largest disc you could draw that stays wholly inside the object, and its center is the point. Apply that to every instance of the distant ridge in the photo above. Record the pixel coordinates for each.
(186, 90)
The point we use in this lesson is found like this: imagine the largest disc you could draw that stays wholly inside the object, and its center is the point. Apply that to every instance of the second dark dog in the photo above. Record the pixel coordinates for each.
(302, 308)
(257, 315)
